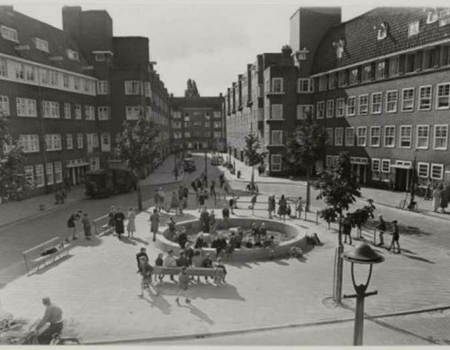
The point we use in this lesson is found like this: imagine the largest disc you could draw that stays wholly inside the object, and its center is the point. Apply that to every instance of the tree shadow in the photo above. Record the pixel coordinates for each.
(204, 291)
(198, 313)
(140, 240)
(418, 258)
(160, 302)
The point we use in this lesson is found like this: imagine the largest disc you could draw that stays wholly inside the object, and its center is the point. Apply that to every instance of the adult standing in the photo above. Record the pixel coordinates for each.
(154, 223)
(156, 199)
(226, 216)
(382, 229)
(162, 198)
(170, 261)
(174, 202)
(347, 229)
(119, 219)
(253, 202)
(212, 222)
(185, 195)
(142, 253)
(86, 226)
(183, 281)
(71, 227)
(213, 190)
(131, 226)
(204, 218)
(146, 271)
(282, 207)
(437, 196)
(112, 220)
(444, 197)
(201, 199)
(271, 206)
(299, 207)
(395, 238)
(53, 315)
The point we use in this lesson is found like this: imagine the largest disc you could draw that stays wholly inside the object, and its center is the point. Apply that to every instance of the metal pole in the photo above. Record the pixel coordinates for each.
(359, 319)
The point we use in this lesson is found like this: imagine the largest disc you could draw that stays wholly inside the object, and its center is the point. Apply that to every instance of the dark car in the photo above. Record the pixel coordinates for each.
(106, 182)
(189, 165)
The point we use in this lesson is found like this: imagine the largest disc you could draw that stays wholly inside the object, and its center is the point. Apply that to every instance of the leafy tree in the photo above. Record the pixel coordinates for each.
(329, 215)
(137, 146)
(339, 188)
(251, 151)
(305, 146)
(14, 183)
(191, 90)
(360, 216)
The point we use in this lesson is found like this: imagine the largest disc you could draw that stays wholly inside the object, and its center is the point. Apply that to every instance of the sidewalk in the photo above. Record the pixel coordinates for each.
(263, 294)
(12, 212)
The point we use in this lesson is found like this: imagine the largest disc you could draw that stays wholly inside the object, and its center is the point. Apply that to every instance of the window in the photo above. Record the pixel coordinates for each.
(39, 175)
(423, 170)
(410, 62)
(50, 109)
(354, 76)
(177, 135)
(361, 136)
(382, 31)
(72, 55)
(376, 103)
(413, 28)
(89, 112)
(277, 85)
(363, 105)
(430, 59)
(76, 83)
(425, 98)
(422, 136)
(408, 100)
(80, 141)
(349, 137)
(176, 115)
(217, 125)
(351, 106)
(380, 70)
(323, 83)
(3, 67)
(53, 142)
(340, 107)
(332, 81)
(329, 161)
(338, 136)
(187, 124)
(394, 65)
(29, 143)
(277, 138)
(389, 136)
(29, 173)
(277, 112)
(376, 169)
(217, 134)
(375, 136)
(444, 17)
(67, 114)
(9, 34)
(432, 16)
(49, 173)
(330, 108)
(103, 113)
(386, 166)
(330, 136)
(42, 45)
(105, 142)
(187, 134)
(58, 172)
(19, 69)
(342, 78)
(132, 87)
(132, 112)
(217, 115)
(147, 89)
(320, 110)
(443, 96)
(4, 106)
(77, 111)
(367, 73)
(26, 107)
(102, 87)
(440, 137)
(405, 136)
(100, 57)
(304, 112)
(436, 171)
(69, 141)
(275, 162)
(391, 101)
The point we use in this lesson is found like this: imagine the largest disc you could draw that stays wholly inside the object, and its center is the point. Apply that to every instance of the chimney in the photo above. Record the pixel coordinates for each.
(71, 16)
(7, 8)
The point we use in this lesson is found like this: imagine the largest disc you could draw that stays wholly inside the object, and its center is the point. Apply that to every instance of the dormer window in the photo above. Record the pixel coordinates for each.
(102, 56)
(432, 17)
(73, 55)
(444, 17)
(42, 45)
(382, 31)
(9, 34)
(413, 28)
(340, 46)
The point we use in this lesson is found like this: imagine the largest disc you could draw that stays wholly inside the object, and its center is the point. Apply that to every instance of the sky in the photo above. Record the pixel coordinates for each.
(208, 41)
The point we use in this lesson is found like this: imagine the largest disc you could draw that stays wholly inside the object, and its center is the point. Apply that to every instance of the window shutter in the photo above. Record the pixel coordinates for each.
(401, 64)
(419, 59)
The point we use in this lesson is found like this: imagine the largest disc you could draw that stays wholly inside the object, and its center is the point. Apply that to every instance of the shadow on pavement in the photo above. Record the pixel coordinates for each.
(160, 303)
(203, 290)
(140, 241)
(44, 269)
(127, 240)
(198, 313)
(93, 242)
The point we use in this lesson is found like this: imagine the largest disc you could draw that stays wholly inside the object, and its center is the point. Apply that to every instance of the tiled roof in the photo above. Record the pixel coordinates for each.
(197, 102)
(28, 29)
(360, 36)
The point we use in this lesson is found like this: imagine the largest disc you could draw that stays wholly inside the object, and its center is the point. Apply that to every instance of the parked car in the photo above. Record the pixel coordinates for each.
(106, 182)
(189, 165)
(216, 160)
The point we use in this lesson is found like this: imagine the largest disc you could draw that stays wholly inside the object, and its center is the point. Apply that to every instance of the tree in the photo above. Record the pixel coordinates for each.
(14, 183)
(305, 146)
(191, 90)
(339, 188)
(251, 151)
(137, 146)
(360, 216)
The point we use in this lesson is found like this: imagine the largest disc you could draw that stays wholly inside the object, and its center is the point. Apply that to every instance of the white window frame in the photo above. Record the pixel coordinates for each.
(419, 138)
(50, 109)
(373, 103)
(42, 45)
(4, 106)
(401, 136)
(69, 141)
(413, 28)
(353, 106)
(274, 82)
(330, 109)
(372, 144)
(361, 140)
(49, 174)
(428, 99)
(350, 139)
(363, 108)
(435, 138)
(445, 97)
(274, 135)
(340, 107)
(393, 136)
(80, 141)
(410, 107)
(73, 55)
(26, 107)
(320, 110)
(89, 112)
(395, 102)
(273, 111)
(278, 162)
(441, 167)
(339, 136)
(427, 170)
(9, 34)
(330, 133)
(104, 113)
(133, 87)
(39, 175)
(329, 161)
(105, 146)
(383, 162)
(103, 87)
(302, 111)
(57, 166)
(67, 111)
(376, 167)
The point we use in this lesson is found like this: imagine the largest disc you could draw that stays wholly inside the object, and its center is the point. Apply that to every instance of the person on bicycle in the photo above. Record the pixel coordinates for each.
(53, 315)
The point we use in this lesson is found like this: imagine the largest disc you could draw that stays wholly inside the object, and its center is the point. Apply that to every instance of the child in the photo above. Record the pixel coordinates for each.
(299, 207)
(183, 281)
(253, 202)
(220, 279)
(146, 272)
(159, 262)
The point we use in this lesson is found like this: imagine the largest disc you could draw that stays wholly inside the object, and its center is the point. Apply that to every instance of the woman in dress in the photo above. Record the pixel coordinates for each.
(119, 219)
(131, 226)
(154, 223)
(299, 208)
(86, 226)
(112, 221)
(437, 194)
(282, 209)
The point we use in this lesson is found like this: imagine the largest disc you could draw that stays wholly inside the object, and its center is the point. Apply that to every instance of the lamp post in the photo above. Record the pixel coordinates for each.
(363, 255)
(413, 177)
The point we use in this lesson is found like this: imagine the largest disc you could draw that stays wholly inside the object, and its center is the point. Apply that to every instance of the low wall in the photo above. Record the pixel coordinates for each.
(242, 254)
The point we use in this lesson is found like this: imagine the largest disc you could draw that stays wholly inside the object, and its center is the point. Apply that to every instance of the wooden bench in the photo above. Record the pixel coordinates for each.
(34, 259)
(191, 271)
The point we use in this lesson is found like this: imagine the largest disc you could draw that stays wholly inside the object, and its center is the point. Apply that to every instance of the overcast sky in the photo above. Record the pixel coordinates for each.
(209, 41)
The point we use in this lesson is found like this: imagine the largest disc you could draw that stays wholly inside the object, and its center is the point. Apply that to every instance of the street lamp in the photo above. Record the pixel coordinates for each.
(413, 180)
(363, 255)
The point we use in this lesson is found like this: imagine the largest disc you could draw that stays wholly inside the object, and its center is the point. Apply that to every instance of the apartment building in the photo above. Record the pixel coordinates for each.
(67, 92)
(198, 123)
(382, 88)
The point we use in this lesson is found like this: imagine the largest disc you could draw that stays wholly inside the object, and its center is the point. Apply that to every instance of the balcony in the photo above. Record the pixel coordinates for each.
(270, 93)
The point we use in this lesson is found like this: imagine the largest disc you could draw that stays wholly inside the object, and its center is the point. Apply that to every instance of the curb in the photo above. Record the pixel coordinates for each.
(269, 328)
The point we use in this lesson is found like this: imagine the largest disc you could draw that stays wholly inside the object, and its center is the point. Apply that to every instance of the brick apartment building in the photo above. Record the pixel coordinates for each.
(198, 123)
(67, 92)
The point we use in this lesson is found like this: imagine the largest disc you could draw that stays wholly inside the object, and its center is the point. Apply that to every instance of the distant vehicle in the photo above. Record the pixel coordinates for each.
(106, 182)
(216, 160)
(189, 165)
(188, 155)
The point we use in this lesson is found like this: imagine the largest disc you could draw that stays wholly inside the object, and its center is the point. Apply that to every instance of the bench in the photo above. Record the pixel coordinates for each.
(101, 225)
(191, 271)
(34, 259)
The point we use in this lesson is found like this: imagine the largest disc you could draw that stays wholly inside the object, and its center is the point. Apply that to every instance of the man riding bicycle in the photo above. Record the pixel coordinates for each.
(53, 315)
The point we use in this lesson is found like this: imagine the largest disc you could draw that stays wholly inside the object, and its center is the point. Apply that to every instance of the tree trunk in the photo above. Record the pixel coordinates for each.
(308, 189)
(252, 181)
(339, 266)
(139, 195)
